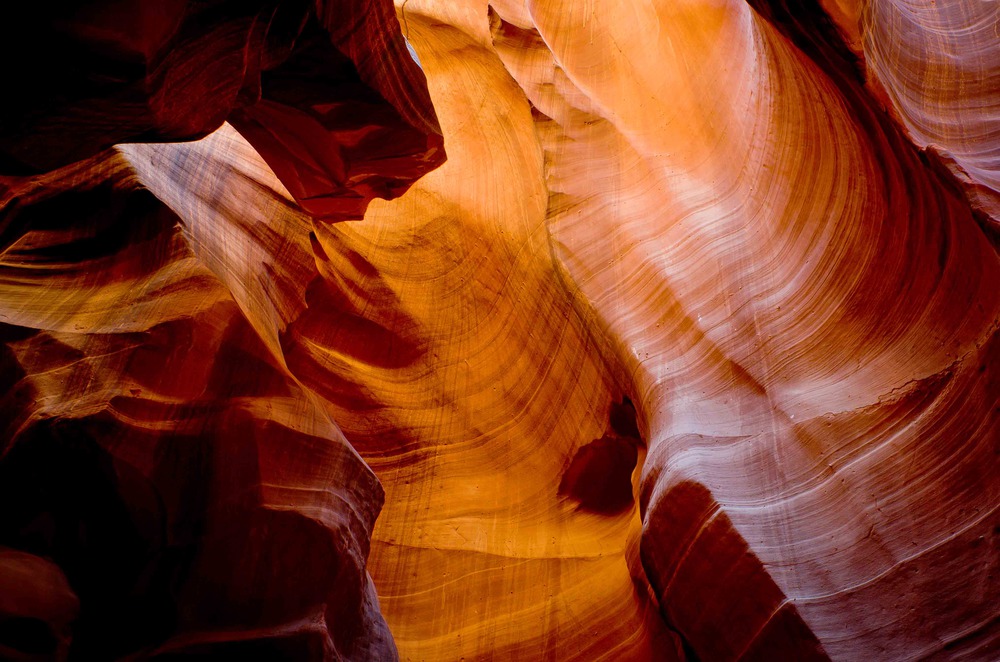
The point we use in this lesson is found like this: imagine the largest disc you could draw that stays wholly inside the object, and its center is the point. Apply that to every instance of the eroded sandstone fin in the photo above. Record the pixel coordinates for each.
(687, 529)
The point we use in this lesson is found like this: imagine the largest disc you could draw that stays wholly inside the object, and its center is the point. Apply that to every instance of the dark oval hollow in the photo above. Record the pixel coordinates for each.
(600, 475)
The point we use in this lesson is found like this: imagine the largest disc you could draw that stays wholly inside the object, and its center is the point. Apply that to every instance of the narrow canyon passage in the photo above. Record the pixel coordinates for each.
(509, 330)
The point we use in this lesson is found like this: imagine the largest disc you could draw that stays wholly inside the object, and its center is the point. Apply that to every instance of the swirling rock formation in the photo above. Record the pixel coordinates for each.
(326, 92)
(937, 67)
(169, 485)
(688, 351)
(790, 383)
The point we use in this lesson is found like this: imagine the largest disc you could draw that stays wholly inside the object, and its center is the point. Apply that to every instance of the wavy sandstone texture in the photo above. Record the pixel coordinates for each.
(687, 352)
(943, 81)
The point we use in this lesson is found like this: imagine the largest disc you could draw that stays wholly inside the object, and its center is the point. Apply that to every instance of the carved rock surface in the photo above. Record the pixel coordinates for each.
(326, 91)
(196, 497)
(936, 65)
(943, 78)
(688, 351)
(168, 487)
(797, 395)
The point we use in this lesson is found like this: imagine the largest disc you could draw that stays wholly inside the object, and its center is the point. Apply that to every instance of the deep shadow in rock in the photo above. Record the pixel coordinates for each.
(600, 476)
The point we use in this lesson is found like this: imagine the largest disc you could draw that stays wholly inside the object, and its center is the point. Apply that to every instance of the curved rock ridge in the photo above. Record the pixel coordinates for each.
(804, 308)
(480, 414)
(419, 357)
(688, 352)
(327, 92)
(196, 498)
(939, 63)
(936, 67)
(169, 488)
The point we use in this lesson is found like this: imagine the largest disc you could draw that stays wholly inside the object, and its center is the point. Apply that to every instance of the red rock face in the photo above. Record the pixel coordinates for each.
(338, 124)
(688, 351)
(169, 486)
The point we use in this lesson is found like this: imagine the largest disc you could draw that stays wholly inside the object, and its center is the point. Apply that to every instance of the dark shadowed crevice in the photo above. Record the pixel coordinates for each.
(712, 589)
(599, 478)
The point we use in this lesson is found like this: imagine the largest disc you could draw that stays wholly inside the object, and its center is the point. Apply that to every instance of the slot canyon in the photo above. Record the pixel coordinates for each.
(500, 330)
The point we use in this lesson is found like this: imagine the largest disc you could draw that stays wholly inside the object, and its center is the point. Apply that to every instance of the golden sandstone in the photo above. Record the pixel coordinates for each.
(521, 330)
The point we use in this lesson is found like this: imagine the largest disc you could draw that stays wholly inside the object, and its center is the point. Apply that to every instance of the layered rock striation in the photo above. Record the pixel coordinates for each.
(687, 352)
